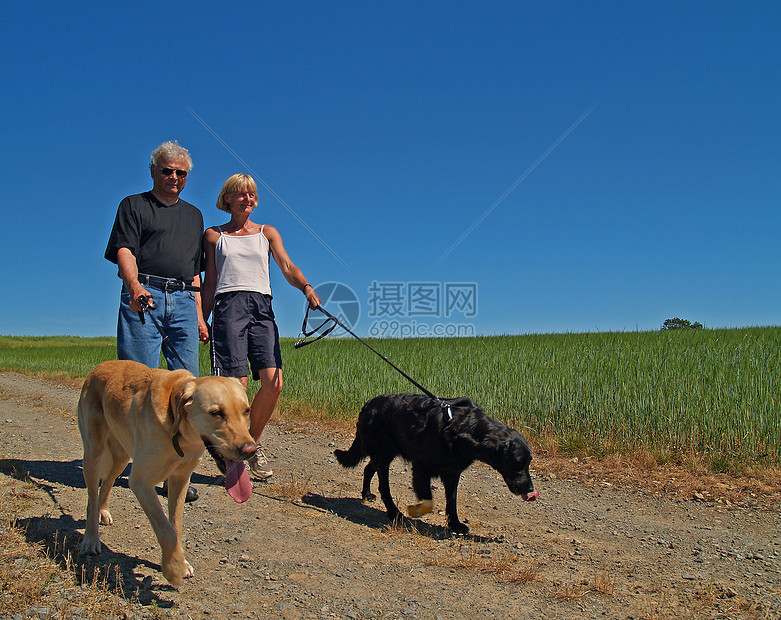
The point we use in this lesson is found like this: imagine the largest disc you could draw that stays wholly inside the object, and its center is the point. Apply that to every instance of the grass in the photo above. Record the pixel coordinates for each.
(55, 356)
(505, 567)
(679, 396)
(291, 490)
(43, 581)
(710, 393)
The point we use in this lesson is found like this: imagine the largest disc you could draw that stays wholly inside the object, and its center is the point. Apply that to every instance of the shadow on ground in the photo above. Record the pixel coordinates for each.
(59, 537)
(356, 511)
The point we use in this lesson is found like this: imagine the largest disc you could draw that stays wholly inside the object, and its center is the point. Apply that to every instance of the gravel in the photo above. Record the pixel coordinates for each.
(305, 546)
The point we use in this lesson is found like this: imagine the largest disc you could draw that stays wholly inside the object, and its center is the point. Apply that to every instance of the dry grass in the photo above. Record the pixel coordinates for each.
(19, 495)
(291, 491)
(35, 584)
(41, 583)
(643, 472)
(710, 601)
(505, 566)
(602, 583)
(410, 530)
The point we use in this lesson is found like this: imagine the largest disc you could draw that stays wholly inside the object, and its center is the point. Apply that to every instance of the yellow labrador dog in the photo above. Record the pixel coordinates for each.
(159, 419)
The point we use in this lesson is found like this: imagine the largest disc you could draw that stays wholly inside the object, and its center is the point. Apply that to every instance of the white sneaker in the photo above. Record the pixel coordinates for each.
(258, 465)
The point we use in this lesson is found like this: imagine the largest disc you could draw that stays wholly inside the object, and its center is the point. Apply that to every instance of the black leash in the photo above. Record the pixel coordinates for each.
(330, 318)
(146, 307)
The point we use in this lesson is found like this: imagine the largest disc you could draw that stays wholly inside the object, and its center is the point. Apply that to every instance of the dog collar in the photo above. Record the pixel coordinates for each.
(175, 442)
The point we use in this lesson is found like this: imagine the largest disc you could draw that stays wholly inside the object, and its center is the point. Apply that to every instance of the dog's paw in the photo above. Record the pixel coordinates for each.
(175, 572)
(90, 546)
(175, 568)
(458, 528)
(105, 517)
(421, 508)
(369, 497)
(394, 515)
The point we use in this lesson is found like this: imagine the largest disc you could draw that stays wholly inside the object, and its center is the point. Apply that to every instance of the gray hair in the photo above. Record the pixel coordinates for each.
(169, 151)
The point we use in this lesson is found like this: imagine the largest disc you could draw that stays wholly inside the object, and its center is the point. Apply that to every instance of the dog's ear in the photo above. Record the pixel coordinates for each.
(181, 399)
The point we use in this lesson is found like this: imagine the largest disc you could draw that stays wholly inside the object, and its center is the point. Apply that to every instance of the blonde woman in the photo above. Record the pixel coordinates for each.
(237, 291)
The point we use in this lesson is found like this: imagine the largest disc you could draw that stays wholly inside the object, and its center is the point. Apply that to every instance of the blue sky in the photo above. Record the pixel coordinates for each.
(389, 130)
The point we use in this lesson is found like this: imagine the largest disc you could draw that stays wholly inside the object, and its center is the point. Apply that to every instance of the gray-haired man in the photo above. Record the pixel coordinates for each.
(156, 245)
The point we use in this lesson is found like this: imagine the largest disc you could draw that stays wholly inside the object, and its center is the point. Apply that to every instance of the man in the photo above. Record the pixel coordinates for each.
(156, 245)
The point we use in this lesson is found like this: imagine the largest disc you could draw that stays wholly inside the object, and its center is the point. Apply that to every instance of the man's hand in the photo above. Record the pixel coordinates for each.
(203, 331)
(128, 271)
(135, 298)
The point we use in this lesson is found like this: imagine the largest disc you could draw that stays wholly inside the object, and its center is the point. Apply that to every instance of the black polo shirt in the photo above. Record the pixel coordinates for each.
(166, 241)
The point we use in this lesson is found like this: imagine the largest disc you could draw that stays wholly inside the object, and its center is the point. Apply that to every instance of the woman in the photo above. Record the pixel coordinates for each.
(238, 293)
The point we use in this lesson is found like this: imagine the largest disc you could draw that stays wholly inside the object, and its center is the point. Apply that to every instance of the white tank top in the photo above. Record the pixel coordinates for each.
(242, 263)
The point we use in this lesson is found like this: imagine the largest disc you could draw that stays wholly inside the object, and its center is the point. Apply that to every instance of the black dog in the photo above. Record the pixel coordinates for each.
(422, 431)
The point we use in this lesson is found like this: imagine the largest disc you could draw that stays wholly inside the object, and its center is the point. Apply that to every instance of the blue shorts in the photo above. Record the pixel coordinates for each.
(243, 329)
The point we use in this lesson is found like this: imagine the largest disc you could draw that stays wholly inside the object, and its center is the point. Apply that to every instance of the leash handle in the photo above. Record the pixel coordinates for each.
(145, 307)
(147, 303)
(302, 340)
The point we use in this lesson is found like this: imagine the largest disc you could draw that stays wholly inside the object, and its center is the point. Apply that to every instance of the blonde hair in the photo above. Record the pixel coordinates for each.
(237, 183)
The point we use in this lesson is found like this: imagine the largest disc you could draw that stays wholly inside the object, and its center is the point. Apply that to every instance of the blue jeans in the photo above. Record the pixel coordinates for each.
(141, 342)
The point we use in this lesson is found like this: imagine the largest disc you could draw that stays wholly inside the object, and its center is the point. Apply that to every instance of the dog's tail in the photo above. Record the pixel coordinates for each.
(353, 456)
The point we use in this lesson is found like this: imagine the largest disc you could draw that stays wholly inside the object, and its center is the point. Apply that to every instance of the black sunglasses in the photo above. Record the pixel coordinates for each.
(167, 172)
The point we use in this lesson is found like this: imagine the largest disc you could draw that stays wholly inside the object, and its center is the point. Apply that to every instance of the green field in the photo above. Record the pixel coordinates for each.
(709, 396)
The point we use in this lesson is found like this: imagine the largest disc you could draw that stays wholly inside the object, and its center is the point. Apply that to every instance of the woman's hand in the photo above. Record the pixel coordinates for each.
(311, 296)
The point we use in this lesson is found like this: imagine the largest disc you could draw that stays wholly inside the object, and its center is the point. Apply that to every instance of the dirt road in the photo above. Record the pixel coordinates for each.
(304, 546)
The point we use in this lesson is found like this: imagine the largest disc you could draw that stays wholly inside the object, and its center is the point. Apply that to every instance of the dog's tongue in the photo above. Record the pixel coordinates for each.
(527, 497)
(237, 481)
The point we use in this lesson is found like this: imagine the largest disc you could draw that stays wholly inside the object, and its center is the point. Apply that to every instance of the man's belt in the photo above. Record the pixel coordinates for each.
(167, 284)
